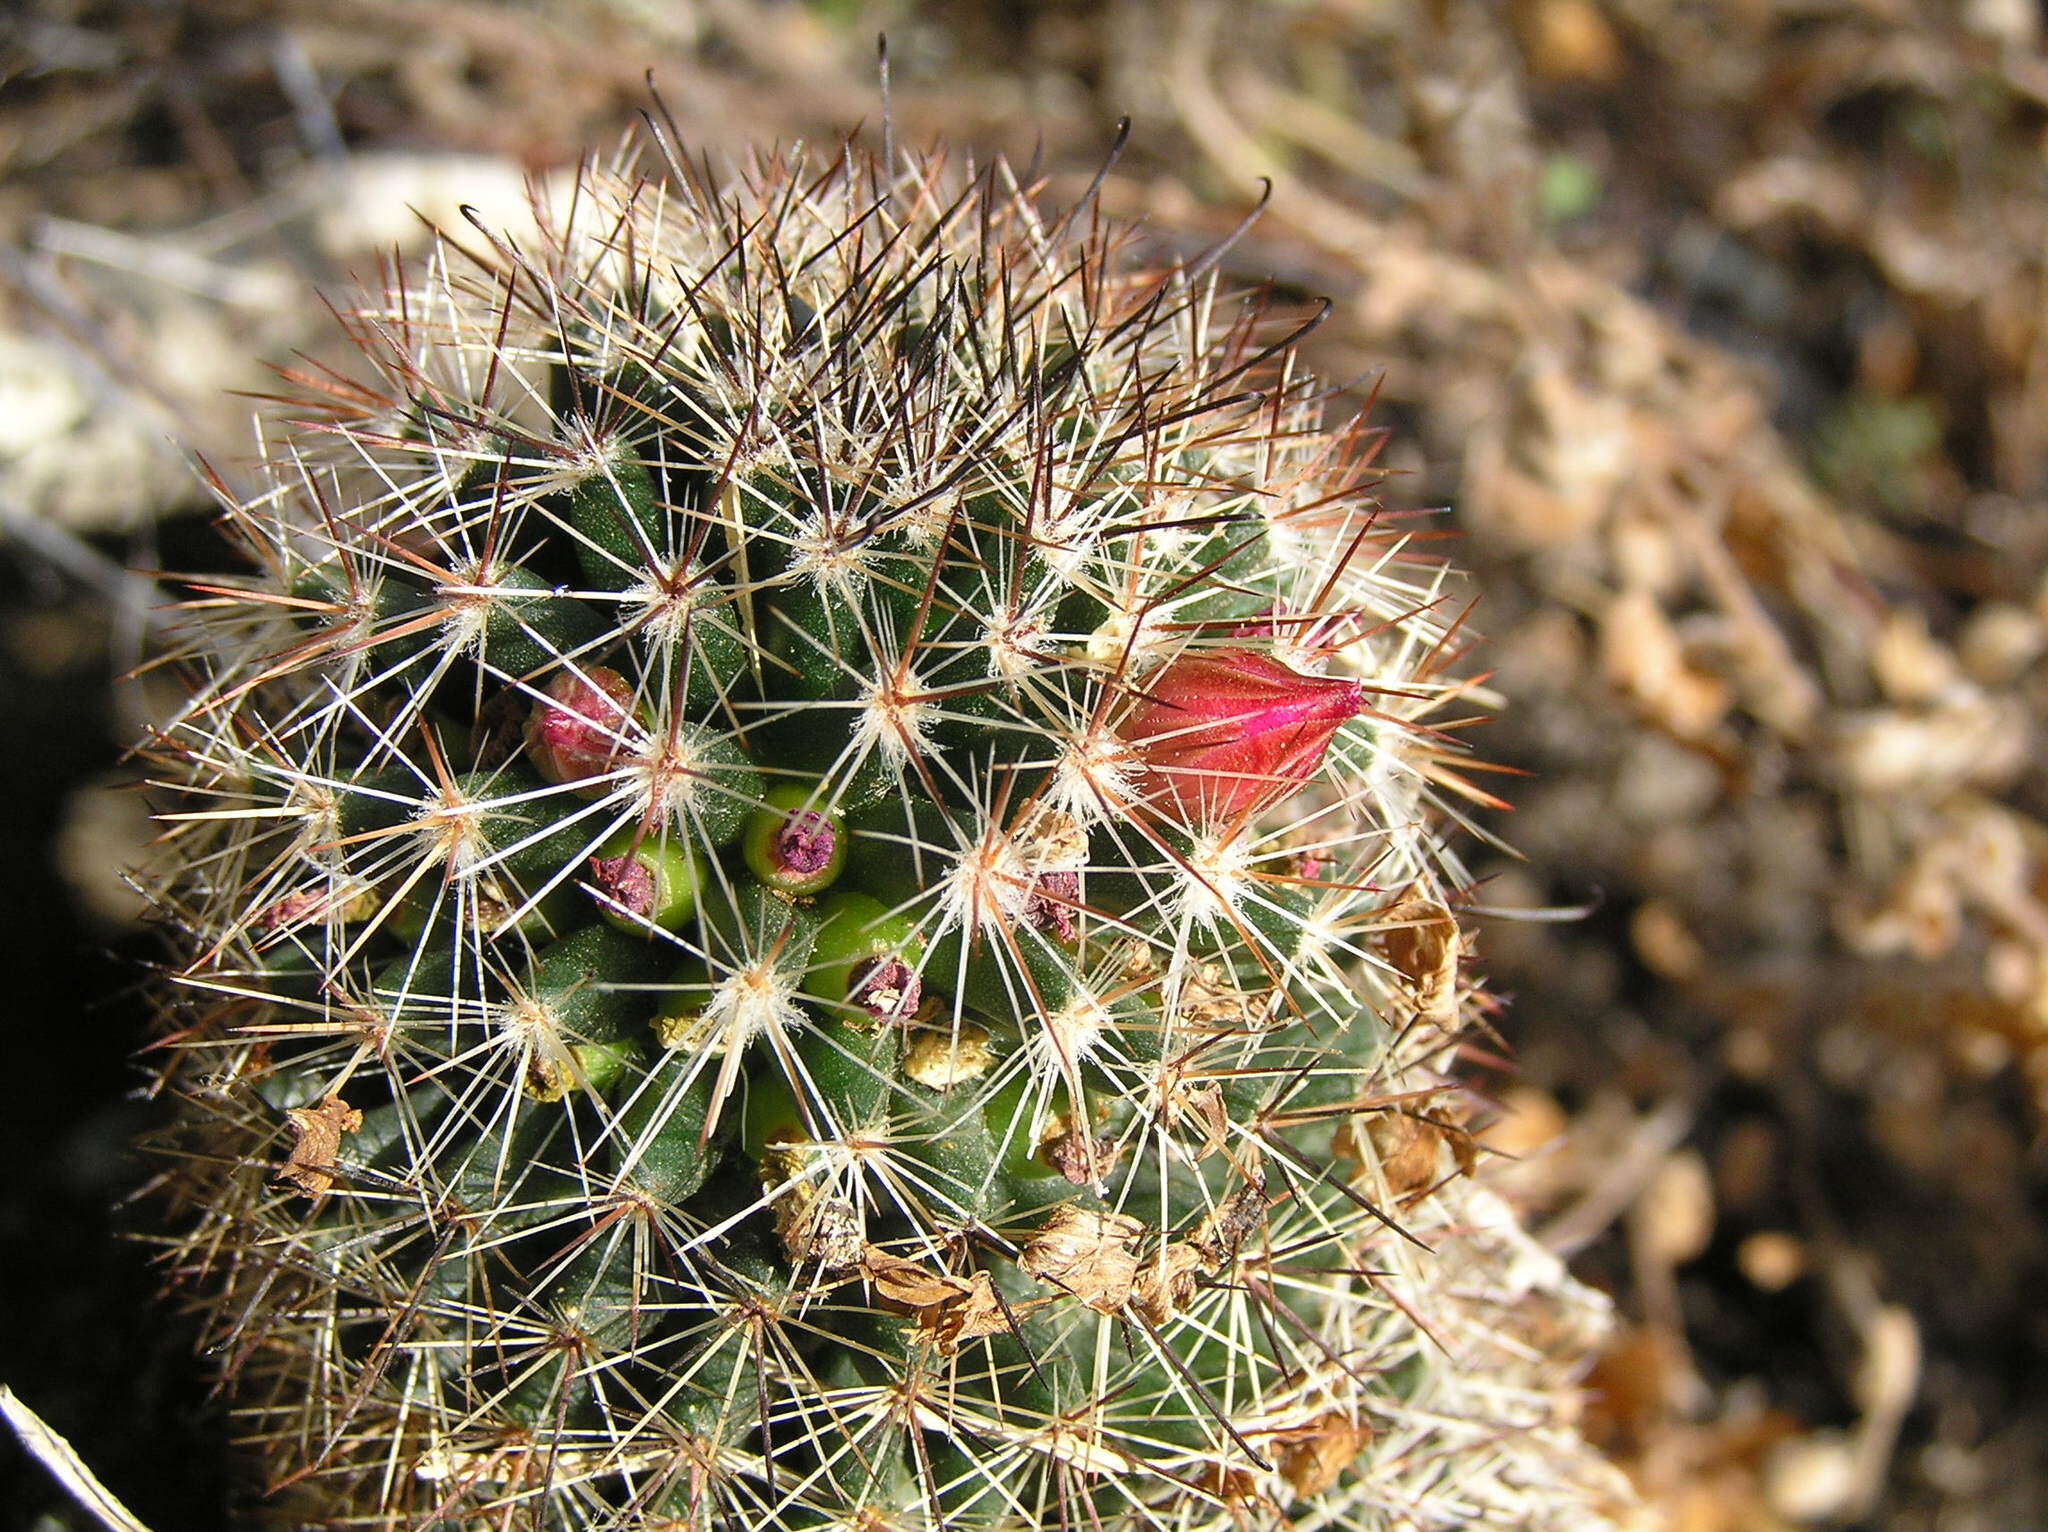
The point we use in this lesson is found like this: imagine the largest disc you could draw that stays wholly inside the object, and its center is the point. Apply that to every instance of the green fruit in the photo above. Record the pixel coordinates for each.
(641, 881)
(794, 843)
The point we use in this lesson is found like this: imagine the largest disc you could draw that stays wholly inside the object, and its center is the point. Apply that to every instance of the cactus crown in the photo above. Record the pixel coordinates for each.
(811, 900)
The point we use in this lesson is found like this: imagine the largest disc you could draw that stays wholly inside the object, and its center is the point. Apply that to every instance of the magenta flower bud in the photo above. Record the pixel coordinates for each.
(1228, 732)
(581, 729)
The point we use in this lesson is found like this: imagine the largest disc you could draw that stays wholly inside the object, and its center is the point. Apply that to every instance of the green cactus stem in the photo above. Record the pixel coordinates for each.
(810, 896)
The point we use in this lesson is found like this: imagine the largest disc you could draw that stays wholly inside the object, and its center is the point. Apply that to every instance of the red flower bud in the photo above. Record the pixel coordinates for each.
(583, 727)
(1228, 731)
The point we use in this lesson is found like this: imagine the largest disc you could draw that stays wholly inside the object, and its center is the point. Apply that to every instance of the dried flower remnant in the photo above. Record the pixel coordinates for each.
(1312, 1456)
(1087, 1253)
(319, 1129)
(946, 1308)
(1054, 898)
(1078, 1157)
(624, 881)
(1420, 939)
(805, 843)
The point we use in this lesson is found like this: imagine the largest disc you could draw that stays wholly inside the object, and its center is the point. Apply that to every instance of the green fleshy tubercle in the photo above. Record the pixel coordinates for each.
(620, 526)
(706, 782)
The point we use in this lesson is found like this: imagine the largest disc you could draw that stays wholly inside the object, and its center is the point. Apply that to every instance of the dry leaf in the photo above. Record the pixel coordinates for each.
(310, 1166)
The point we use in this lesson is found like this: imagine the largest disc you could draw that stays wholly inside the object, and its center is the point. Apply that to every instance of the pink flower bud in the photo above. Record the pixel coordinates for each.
(1227, 732)
(583, 727)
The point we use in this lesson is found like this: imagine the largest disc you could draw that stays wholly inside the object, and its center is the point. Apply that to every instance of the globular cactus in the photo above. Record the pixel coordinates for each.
(811, 898)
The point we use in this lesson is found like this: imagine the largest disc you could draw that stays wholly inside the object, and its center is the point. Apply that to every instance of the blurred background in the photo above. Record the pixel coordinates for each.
(1715, 328)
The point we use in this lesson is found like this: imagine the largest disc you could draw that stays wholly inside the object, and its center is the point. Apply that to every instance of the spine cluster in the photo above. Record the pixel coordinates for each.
(811, 899)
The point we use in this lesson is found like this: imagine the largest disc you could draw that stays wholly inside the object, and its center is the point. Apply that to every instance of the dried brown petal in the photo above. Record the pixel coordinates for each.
(1225, 1227)
(1311, 1457)
(543, 1080)
(1407, 1149)
(1167, 1281)
(905, 1285)
(1088, 1253)
(1419, 937)
(1210, 1002)
(948, 1309)
(1079, 1158)
(1206, 1109)
(310, 1166)
(1233, 1486)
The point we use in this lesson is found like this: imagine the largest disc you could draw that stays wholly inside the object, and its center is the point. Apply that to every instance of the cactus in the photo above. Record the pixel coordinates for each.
(810, 895)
